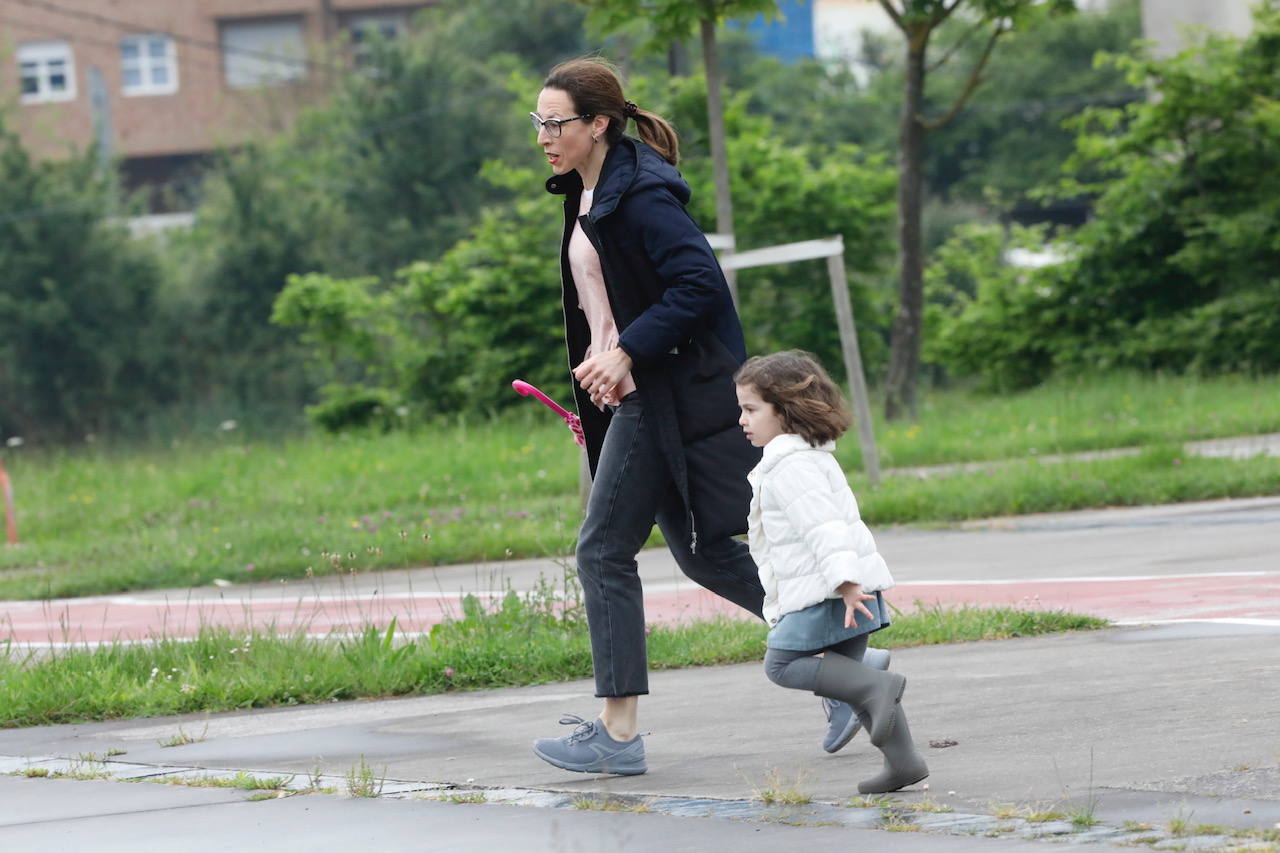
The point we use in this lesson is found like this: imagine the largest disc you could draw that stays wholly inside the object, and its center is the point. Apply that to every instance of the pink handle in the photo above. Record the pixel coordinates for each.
(524, 389)
(574, 423)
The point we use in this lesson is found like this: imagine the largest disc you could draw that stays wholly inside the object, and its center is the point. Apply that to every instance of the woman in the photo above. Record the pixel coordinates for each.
(653, 343)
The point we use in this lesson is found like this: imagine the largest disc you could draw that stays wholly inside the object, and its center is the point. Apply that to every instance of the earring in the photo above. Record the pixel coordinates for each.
(595, 139)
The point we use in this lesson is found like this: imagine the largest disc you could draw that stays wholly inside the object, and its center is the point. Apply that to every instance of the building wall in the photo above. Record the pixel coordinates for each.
(204, 111)
(839, 26)
(789, 36)
(1166, 22)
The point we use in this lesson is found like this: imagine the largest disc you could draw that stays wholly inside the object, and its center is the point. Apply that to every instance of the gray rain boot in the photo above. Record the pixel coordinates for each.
(870, 691)
(903, 765)
(842, 722)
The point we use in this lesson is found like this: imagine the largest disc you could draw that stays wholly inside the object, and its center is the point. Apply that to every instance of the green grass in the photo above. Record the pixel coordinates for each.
(1071, 415)
(524, 640)
(1157, 475)
(99, 520)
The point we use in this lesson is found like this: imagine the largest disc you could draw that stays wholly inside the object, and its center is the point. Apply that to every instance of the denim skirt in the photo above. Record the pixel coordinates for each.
(822, 625)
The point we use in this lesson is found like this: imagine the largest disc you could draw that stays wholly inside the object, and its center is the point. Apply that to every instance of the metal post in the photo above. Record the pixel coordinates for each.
(725, 245)
(853, 364)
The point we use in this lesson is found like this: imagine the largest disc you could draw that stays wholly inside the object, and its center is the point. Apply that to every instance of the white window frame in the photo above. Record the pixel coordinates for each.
(145, 64)
(266, 66)
(41, 54)
(356, 22)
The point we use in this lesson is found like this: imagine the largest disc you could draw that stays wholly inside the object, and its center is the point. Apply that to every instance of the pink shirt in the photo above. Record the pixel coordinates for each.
(584, 262)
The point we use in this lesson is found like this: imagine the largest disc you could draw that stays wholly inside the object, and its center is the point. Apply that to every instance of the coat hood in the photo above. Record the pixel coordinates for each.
(631, 166)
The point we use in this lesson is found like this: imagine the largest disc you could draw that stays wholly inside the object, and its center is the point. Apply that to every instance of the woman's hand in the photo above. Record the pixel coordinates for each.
(853, 597)
(601, 373)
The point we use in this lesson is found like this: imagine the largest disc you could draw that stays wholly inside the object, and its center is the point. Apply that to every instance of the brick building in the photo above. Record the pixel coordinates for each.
(160, 83)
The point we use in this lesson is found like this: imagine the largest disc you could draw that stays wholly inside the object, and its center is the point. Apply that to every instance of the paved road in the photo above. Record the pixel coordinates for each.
(1208, 560)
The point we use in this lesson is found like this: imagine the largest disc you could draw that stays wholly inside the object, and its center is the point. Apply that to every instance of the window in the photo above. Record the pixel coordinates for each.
(263, 53)
(47, 71)
(367, 28)
(148, 65)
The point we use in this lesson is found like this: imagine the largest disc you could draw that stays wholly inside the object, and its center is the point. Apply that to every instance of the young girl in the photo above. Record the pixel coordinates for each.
(818, 563)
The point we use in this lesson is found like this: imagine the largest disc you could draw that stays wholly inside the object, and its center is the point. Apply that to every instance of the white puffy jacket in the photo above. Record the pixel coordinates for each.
(804, 529)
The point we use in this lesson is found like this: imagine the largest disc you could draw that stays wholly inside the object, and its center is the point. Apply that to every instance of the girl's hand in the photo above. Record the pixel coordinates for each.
(853, 597)
(599, 374)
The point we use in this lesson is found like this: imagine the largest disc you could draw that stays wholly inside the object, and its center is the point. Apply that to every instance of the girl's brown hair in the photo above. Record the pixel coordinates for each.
(806, 399)
(596, 89)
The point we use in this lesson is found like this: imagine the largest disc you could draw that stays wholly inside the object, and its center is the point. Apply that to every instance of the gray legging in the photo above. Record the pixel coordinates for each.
(799, 670)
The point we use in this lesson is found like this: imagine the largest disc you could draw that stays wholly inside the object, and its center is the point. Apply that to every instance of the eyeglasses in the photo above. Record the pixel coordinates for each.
(554, 126)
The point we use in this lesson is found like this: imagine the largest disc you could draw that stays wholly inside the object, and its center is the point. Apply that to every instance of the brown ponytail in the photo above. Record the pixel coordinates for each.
(596, 89)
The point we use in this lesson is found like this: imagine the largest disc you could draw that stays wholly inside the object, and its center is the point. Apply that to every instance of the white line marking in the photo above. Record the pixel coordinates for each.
(1092, 579)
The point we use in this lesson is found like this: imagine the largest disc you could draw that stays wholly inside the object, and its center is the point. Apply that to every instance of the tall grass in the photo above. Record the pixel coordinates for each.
(102, 520)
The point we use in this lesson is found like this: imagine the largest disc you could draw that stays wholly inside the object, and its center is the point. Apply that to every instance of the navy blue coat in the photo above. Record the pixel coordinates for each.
(677, 322)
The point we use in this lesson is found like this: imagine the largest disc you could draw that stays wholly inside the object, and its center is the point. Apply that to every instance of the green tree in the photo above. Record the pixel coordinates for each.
(77, 297)
(918, 21)
(672, 21)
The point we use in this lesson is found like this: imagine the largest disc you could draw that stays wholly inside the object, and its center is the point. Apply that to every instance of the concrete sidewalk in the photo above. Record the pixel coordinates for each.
(1146, 725)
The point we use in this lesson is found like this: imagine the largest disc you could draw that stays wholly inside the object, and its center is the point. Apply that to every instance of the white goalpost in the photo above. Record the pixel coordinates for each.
(831, 248)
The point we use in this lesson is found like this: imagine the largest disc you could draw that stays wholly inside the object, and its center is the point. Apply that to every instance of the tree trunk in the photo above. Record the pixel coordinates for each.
(677, 59)
(904, 342)
(715, 129)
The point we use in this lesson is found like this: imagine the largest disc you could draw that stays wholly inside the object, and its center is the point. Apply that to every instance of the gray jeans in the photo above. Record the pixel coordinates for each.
(633, 489)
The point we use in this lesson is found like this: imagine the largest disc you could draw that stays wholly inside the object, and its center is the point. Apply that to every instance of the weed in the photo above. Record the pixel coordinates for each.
(244, 781)
(114, 751)
(925, 805)
(1180, 824)
(1045, 816)
(472, 797)
(83, 770)
(781, 793)
(1272, 835)
(35, 773)
(611, 804)
(362, 781)
(873, 802)
(1135, 826)
(896, 821)
(183, 739)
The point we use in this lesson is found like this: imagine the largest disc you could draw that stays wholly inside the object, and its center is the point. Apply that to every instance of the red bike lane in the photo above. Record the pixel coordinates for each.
(1253, 596)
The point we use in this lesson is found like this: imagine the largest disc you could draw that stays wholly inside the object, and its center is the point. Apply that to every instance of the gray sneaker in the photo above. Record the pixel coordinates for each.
(842, 722)
(590, 749)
